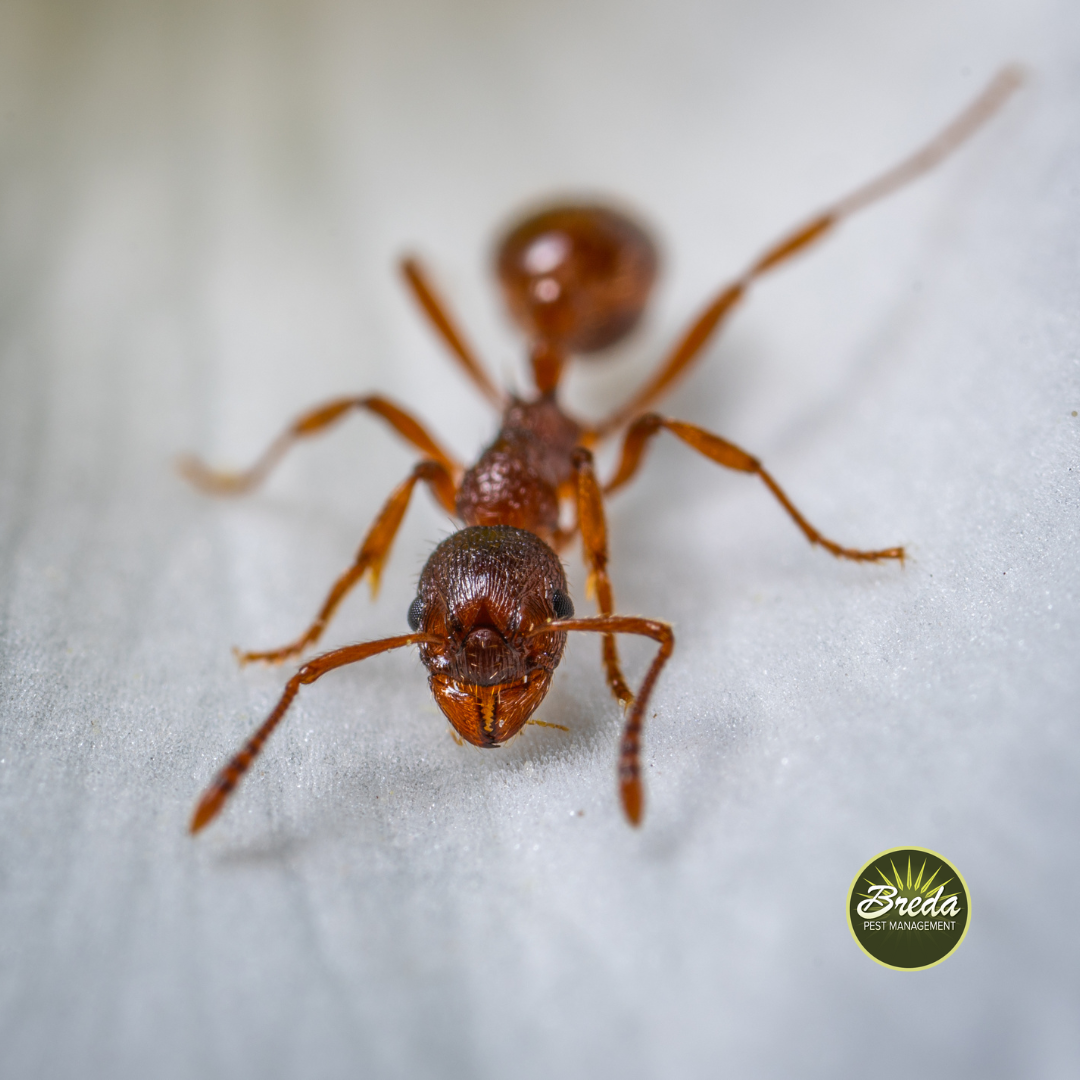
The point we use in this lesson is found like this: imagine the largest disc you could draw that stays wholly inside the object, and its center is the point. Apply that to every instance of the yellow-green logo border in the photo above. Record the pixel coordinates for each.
(908, 849)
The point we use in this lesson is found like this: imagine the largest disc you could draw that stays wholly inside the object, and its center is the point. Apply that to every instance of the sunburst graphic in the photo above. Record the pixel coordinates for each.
(909, 889)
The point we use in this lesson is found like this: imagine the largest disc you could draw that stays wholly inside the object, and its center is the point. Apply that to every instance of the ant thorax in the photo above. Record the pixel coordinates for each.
(518, 478)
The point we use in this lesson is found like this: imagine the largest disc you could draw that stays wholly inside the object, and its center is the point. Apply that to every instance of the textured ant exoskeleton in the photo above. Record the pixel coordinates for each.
(492, 609)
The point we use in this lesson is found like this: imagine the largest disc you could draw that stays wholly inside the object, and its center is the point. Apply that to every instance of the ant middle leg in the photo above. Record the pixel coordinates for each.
(370, 558)
(731, 457)
(691, 345)
(312, 423)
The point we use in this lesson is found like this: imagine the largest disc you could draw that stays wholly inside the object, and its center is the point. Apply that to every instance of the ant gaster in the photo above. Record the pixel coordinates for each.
(492, 608)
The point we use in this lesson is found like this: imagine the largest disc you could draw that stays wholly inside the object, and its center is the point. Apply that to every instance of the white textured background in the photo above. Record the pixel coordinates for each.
(200, 209)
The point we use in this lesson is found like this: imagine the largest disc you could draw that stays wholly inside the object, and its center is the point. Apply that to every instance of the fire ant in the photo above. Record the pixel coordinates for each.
(492, 609)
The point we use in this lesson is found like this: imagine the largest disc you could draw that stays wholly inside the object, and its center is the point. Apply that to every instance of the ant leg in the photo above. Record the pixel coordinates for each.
(630, 789)
(731, 457)
(694, 340)
(311, 423)
(370, 557)
(544, 723)
(226, 780)
(593, 527)
(437, 312)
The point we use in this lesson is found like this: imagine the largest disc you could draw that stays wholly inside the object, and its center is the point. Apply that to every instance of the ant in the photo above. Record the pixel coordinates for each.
(492, 609)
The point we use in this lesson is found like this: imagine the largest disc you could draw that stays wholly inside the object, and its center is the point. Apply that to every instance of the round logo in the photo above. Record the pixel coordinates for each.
(908, 908)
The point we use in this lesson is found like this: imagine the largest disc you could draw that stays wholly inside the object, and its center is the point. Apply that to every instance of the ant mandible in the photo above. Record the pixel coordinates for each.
(492, 609)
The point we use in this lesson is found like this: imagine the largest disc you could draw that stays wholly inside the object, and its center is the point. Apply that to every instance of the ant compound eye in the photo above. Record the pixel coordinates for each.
(416, 613)
(564, 606)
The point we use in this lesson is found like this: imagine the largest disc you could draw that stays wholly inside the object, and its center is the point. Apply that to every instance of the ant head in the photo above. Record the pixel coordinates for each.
(576, 278)
(483, 592)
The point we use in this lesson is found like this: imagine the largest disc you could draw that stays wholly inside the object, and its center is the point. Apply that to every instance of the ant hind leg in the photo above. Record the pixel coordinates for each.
(689, 348)
(434, 307)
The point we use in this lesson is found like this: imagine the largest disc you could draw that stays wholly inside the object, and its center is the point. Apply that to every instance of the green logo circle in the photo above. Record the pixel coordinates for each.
(908, 908)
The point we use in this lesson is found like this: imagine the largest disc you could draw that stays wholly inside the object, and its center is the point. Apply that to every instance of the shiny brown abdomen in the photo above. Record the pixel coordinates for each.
(576, 277)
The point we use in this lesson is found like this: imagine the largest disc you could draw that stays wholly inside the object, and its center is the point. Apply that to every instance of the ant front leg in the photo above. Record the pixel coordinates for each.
(311, 423)
(370, 557)
(731, 457)
(593, 527)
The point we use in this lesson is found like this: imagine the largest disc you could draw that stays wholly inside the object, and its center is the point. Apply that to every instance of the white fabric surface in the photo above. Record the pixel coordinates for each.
(200, 210)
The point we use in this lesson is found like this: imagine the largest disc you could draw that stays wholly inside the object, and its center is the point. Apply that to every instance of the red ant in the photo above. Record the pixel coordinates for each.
(492, 609)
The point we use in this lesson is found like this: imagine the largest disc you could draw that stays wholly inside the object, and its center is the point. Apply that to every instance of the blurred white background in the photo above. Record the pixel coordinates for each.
(201, 206)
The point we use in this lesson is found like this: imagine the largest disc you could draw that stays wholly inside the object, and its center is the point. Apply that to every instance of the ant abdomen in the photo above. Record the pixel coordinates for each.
(576, 278)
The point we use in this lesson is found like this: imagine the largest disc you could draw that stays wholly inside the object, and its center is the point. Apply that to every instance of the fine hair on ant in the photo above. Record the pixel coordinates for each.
(492, 608)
